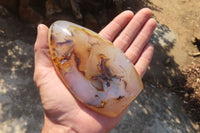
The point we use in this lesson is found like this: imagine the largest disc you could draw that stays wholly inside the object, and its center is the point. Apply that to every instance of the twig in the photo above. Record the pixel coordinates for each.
(194, 54)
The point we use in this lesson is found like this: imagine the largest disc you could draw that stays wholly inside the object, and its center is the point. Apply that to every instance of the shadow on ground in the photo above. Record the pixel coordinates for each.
(163, 71)
(20, 107)
(167, 74)
(158, 108)
(95, 14)
(136, 5)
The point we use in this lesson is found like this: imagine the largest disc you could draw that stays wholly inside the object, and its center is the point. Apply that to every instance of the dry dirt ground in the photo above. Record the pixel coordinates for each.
(176, 60)
(183, 18)
(171, 101)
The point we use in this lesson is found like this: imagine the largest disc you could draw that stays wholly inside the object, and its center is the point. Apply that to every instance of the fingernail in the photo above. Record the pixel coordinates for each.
(39, 27)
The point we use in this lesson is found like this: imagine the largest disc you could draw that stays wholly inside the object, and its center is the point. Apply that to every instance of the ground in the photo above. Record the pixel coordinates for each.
(182, 17)
(170, 101)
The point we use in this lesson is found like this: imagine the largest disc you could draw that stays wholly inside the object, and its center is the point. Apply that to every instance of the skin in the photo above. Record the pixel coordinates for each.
(63, 113)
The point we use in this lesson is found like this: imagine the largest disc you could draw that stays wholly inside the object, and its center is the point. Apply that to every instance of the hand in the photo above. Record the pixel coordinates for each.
(63, 113)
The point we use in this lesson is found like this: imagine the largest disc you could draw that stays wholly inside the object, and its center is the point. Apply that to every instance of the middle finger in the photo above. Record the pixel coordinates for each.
(131, 30)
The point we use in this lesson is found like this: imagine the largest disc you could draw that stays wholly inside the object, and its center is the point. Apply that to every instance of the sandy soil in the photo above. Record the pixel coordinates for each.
(183, 18)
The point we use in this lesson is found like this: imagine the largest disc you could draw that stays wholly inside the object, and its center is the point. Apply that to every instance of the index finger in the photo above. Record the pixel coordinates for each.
(116, 25)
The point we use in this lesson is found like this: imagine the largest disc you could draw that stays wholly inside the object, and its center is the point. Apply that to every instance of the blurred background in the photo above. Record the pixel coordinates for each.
(170, 102)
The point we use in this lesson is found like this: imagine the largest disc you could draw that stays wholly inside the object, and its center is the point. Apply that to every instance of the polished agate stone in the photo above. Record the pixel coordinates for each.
(97, 73)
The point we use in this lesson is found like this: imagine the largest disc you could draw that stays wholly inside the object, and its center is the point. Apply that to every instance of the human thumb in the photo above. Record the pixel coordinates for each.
(42, 56)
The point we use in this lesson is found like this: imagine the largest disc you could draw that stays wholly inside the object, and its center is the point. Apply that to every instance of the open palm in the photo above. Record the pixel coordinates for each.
(63, 113)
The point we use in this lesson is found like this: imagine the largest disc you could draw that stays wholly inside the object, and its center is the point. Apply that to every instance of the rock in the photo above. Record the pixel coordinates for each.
(20, 106)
